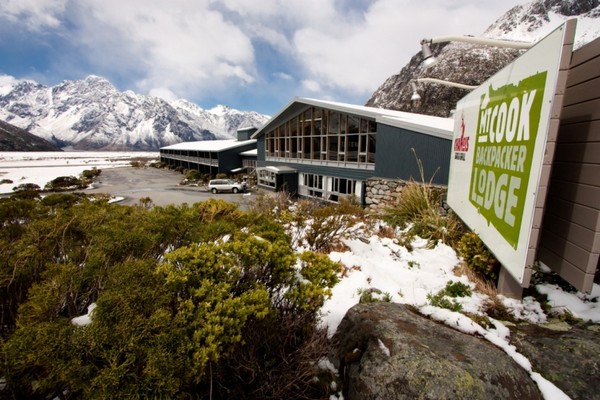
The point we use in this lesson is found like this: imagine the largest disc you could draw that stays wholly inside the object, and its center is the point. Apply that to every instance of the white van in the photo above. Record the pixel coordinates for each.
(226, 185)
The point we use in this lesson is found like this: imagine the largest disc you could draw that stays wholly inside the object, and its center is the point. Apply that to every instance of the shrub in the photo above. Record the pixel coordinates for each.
(158, 164)
(419, 208)
(373, 295)
(90, 174)
(186, 297)
(5, 181)
(137, 164)
(273, 204)
(478, 257)
(193, 175)
(63, 200)
(65, 183)
(321, 225)
(26, 187)
(443, 298)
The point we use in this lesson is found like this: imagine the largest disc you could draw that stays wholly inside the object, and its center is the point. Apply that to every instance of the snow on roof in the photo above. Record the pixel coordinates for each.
(427, 124)
(209, 145)
(250, 153)
(280, 169)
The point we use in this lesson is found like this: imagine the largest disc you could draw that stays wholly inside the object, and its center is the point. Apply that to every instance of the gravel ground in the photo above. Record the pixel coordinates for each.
(161, 185)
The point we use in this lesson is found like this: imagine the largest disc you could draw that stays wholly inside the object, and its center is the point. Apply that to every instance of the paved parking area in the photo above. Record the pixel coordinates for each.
(160, 185)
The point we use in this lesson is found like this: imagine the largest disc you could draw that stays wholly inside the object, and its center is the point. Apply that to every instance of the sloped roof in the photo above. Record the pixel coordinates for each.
(209, 145)
(427, 124)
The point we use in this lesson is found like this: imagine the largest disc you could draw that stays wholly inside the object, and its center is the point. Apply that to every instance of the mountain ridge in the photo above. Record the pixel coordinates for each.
(91, 114)
(472, 64)
(13, 138)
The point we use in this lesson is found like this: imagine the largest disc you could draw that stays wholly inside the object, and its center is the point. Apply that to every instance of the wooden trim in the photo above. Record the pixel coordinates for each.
(572, 274)
(586, 91)
(584, 131)
(586, 53)
(581, 112)
(583, 72)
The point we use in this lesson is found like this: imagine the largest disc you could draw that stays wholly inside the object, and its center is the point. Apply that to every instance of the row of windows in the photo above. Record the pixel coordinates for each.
(190, 153)
(330, 188)
(317, 121)
(319, 134)
(266, 177)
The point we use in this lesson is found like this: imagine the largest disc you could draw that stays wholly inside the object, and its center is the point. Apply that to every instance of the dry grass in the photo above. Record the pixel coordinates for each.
(494, 307)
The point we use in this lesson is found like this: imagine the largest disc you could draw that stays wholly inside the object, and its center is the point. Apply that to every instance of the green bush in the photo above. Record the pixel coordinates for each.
(186, 296)
(419, 209)
(373, 295)
(193, 175)
(137, 164)
(322, 225)
(443, 298)
(26, 187)
(478, 257)
(90, 174)
(65, 183)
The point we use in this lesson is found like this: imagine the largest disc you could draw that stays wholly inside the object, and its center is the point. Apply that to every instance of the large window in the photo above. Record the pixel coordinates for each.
(324, 136)
(266, 177)
(314, 183)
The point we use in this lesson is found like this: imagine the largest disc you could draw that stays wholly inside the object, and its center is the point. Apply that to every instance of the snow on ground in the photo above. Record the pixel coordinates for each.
(408, 277)
(42, 167)
(372, 262)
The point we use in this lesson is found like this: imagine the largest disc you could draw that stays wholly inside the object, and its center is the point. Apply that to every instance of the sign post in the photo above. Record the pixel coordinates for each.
(503, 148)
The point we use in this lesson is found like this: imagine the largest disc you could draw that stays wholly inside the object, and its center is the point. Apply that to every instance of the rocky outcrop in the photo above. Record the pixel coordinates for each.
(472, 64)
(388, 351)
(13, 138)
(569, 356)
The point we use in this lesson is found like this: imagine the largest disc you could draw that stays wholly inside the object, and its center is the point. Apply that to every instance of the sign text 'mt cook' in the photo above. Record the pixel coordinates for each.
(507, 127)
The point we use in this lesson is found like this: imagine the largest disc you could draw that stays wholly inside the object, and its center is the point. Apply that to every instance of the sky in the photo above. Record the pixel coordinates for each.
(407, 276)
(251, 55)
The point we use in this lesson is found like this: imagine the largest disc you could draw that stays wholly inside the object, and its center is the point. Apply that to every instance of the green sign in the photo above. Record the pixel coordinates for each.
(507, 127)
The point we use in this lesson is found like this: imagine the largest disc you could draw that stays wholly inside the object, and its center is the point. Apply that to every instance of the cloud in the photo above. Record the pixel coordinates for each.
(283, 75)
(35, 14)
(163, 93)
(237, 50)
(183, 47)
(362, 53)
(311, 86)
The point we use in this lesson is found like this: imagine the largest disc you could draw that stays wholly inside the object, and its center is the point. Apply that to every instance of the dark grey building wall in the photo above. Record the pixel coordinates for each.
(348, 173)
(231, 159)
(245, 134)
(260, 151)
(395, 158)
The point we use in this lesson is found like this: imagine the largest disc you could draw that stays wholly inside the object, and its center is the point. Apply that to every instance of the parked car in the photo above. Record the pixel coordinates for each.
(226, 185)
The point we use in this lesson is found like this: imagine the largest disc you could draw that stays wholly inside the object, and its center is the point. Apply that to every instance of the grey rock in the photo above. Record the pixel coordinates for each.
(569, 358)
(388, 351)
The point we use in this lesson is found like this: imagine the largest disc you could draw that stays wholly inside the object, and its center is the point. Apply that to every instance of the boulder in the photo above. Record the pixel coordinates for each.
(389, 351)
(567, 355)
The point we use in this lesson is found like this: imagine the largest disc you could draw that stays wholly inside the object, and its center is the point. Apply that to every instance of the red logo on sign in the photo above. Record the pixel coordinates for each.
(462, 143)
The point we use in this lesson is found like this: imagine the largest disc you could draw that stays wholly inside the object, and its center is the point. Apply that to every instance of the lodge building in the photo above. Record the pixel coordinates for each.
(322, 149)
(325, 150)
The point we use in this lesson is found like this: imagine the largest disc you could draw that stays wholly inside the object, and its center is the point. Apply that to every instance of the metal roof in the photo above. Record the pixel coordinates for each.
(209, 145)
(427, 124)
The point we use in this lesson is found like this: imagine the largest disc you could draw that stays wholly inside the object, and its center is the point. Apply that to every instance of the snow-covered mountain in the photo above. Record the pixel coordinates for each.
(91, 114)
(472, 64)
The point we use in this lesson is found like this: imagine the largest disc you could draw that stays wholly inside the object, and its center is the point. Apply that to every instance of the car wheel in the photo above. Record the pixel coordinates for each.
(234, 190)
(214, 190)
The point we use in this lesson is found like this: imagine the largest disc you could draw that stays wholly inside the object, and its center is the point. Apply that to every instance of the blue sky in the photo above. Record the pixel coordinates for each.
(247, 54)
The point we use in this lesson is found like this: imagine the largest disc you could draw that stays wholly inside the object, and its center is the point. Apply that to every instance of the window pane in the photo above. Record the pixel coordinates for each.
(334, 123)
(352, 124)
